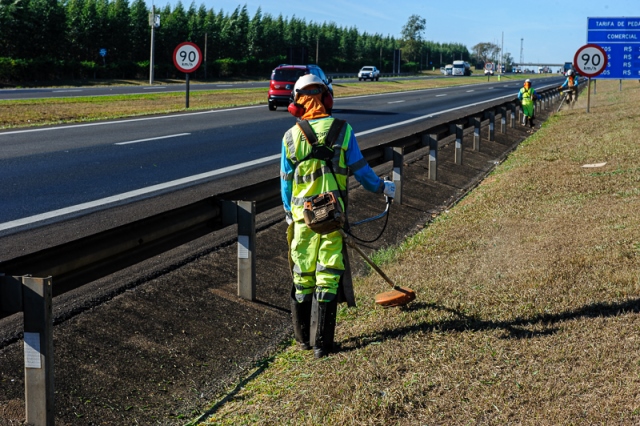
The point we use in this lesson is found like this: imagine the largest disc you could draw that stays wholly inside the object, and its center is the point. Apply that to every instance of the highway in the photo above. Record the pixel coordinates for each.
(52, 172)
(70, 92)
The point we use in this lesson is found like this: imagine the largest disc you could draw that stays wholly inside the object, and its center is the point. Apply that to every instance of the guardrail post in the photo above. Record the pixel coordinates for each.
(398, 160)
(520, 114)
(492, 124)
(33, 296)
(247, 249)
(477, 124)
(38, 350)
(431, 140)
(503, 119)
(546, 97)
(512, 115)
(458, 129)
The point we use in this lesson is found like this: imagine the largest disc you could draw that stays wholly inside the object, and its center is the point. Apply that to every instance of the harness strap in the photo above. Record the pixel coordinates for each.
(312, 139)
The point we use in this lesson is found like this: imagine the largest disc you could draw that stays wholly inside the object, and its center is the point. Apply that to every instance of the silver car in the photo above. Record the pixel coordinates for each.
(369, 72)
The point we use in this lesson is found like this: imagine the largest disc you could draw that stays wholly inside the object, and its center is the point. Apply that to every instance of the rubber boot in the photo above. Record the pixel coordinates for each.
(301, 315)
(323, 326)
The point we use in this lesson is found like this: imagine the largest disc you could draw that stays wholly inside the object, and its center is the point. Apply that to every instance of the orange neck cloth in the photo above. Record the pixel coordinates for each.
(313, 107)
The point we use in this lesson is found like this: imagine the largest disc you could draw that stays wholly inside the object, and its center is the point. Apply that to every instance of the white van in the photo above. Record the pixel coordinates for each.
(461, 68)
(448, 70)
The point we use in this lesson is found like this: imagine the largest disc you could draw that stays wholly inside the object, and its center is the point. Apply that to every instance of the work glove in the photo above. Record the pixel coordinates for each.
(389, 189)
(288, 217)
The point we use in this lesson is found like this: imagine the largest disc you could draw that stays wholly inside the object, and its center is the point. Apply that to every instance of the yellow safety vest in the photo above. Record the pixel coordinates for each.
(313, 177)
(527, 96)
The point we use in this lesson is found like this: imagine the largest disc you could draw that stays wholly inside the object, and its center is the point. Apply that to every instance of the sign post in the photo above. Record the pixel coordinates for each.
(187, 58)
(590, 60)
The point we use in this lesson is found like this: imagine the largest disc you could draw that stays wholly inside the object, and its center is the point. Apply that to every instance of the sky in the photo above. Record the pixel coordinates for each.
(539, 31)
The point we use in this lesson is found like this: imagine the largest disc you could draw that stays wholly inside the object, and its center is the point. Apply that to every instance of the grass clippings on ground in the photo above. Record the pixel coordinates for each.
(528, 309)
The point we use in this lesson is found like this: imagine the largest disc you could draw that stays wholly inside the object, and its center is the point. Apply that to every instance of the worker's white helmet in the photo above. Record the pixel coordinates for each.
(570, 72)
(306, 81)
(527, 81)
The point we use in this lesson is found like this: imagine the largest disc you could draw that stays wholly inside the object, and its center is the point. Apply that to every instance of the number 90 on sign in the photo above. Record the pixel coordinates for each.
(590, 60)
(187, 57)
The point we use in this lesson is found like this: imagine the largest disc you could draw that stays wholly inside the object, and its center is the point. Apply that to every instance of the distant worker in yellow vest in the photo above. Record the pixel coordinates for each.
(571, 83)
(309, 171)
(527, 96)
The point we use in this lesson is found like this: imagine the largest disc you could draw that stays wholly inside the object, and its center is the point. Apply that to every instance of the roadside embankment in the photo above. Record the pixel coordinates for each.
(528, 308)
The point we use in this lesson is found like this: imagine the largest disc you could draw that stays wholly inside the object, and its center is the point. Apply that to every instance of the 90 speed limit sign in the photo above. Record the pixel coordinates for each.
(187, 57)
(590, 60)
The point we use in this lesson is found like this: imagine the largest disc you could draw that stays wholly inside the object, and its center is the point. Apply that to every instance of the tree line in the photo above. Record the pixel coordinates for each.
(63, 39)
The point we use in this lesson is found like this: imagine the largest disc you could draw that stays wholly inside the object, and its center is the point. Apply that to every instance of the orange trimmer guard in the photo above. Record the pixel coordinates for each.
(399, 296)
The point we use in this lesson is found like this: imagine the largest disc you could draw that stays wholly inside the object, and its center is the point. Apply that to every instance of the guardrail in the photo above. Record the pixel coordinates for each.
(68, 266)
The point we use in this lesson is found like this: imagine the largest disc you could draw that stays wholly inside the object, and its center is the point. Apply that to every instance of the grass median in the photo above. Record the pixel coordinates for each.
(47, 111)
(528, 300)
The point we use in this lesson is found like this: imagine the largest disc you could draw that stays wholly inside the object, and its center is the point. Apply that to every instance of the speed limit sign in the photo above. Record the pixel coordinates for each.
(187, 57)
(590, 60)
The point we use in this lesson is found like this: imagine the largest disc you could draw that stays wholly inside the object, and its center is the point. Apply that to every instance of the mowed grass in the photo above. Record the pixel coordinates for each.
(79, 109)
(528, 301)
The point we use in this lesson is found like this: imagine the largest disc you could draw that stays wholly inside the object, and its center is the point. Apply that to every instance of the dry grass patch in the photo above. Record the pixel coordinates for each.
(528, 301)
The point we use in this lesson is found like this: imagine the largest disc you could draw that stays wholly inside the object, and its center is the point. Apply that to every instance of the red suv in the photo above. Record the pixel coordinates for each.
(284, 77)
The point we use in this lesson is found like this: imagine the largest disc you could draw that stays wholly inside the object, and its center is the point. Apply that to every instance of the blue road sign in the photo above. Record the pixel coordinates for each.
(620, 39)
(103, 52)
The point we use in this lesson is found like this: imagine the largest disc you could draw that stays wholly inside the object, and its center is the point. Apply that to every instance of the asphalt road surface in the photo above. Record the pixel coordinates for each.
(52, 172)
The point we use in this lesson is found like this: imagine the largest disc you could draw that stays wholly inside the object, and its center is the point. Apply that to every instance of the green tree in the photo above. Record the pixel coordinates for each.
(47, 25)
(486, 52)
(119, 30)
(412, 33)
(140, 33)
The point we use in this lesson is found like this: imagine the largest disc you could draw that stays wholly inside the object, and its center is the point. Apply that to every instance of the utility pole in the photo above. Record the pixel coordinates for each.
(502, 53)
(205, 56)
(521, 51)
(317, 48)
(152, 22)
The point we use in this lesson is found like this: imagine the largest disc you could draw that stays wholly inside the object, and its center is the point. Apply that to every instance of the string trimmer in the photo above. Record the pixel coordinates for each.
(399, 296)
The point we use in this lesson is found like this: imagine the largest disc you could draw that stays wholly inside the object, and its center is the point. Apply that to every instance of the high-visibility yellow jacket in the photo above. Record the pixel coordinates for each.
(301, 180)
(527, 96)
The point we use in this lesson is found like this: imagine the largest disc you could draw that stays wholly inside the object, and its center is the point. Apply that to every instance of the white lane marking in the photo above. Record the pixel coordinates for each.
(106, 123)
(66, 91)
(224, 85)
(132, 194)
(469, 91)
(154, 87)
(402, 123)
(152, 139)
(395, 102)
(444, 94)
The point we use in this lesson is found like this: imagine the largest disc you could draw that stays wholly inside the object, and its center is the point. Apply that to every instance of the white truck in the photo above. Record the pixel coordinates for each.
(461, 68)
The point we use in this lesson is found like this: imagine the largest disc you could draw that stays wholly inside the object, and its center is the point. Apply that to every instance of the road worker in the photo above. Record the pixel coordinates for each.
(527, 96)
(571, 83)
(314, 176)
